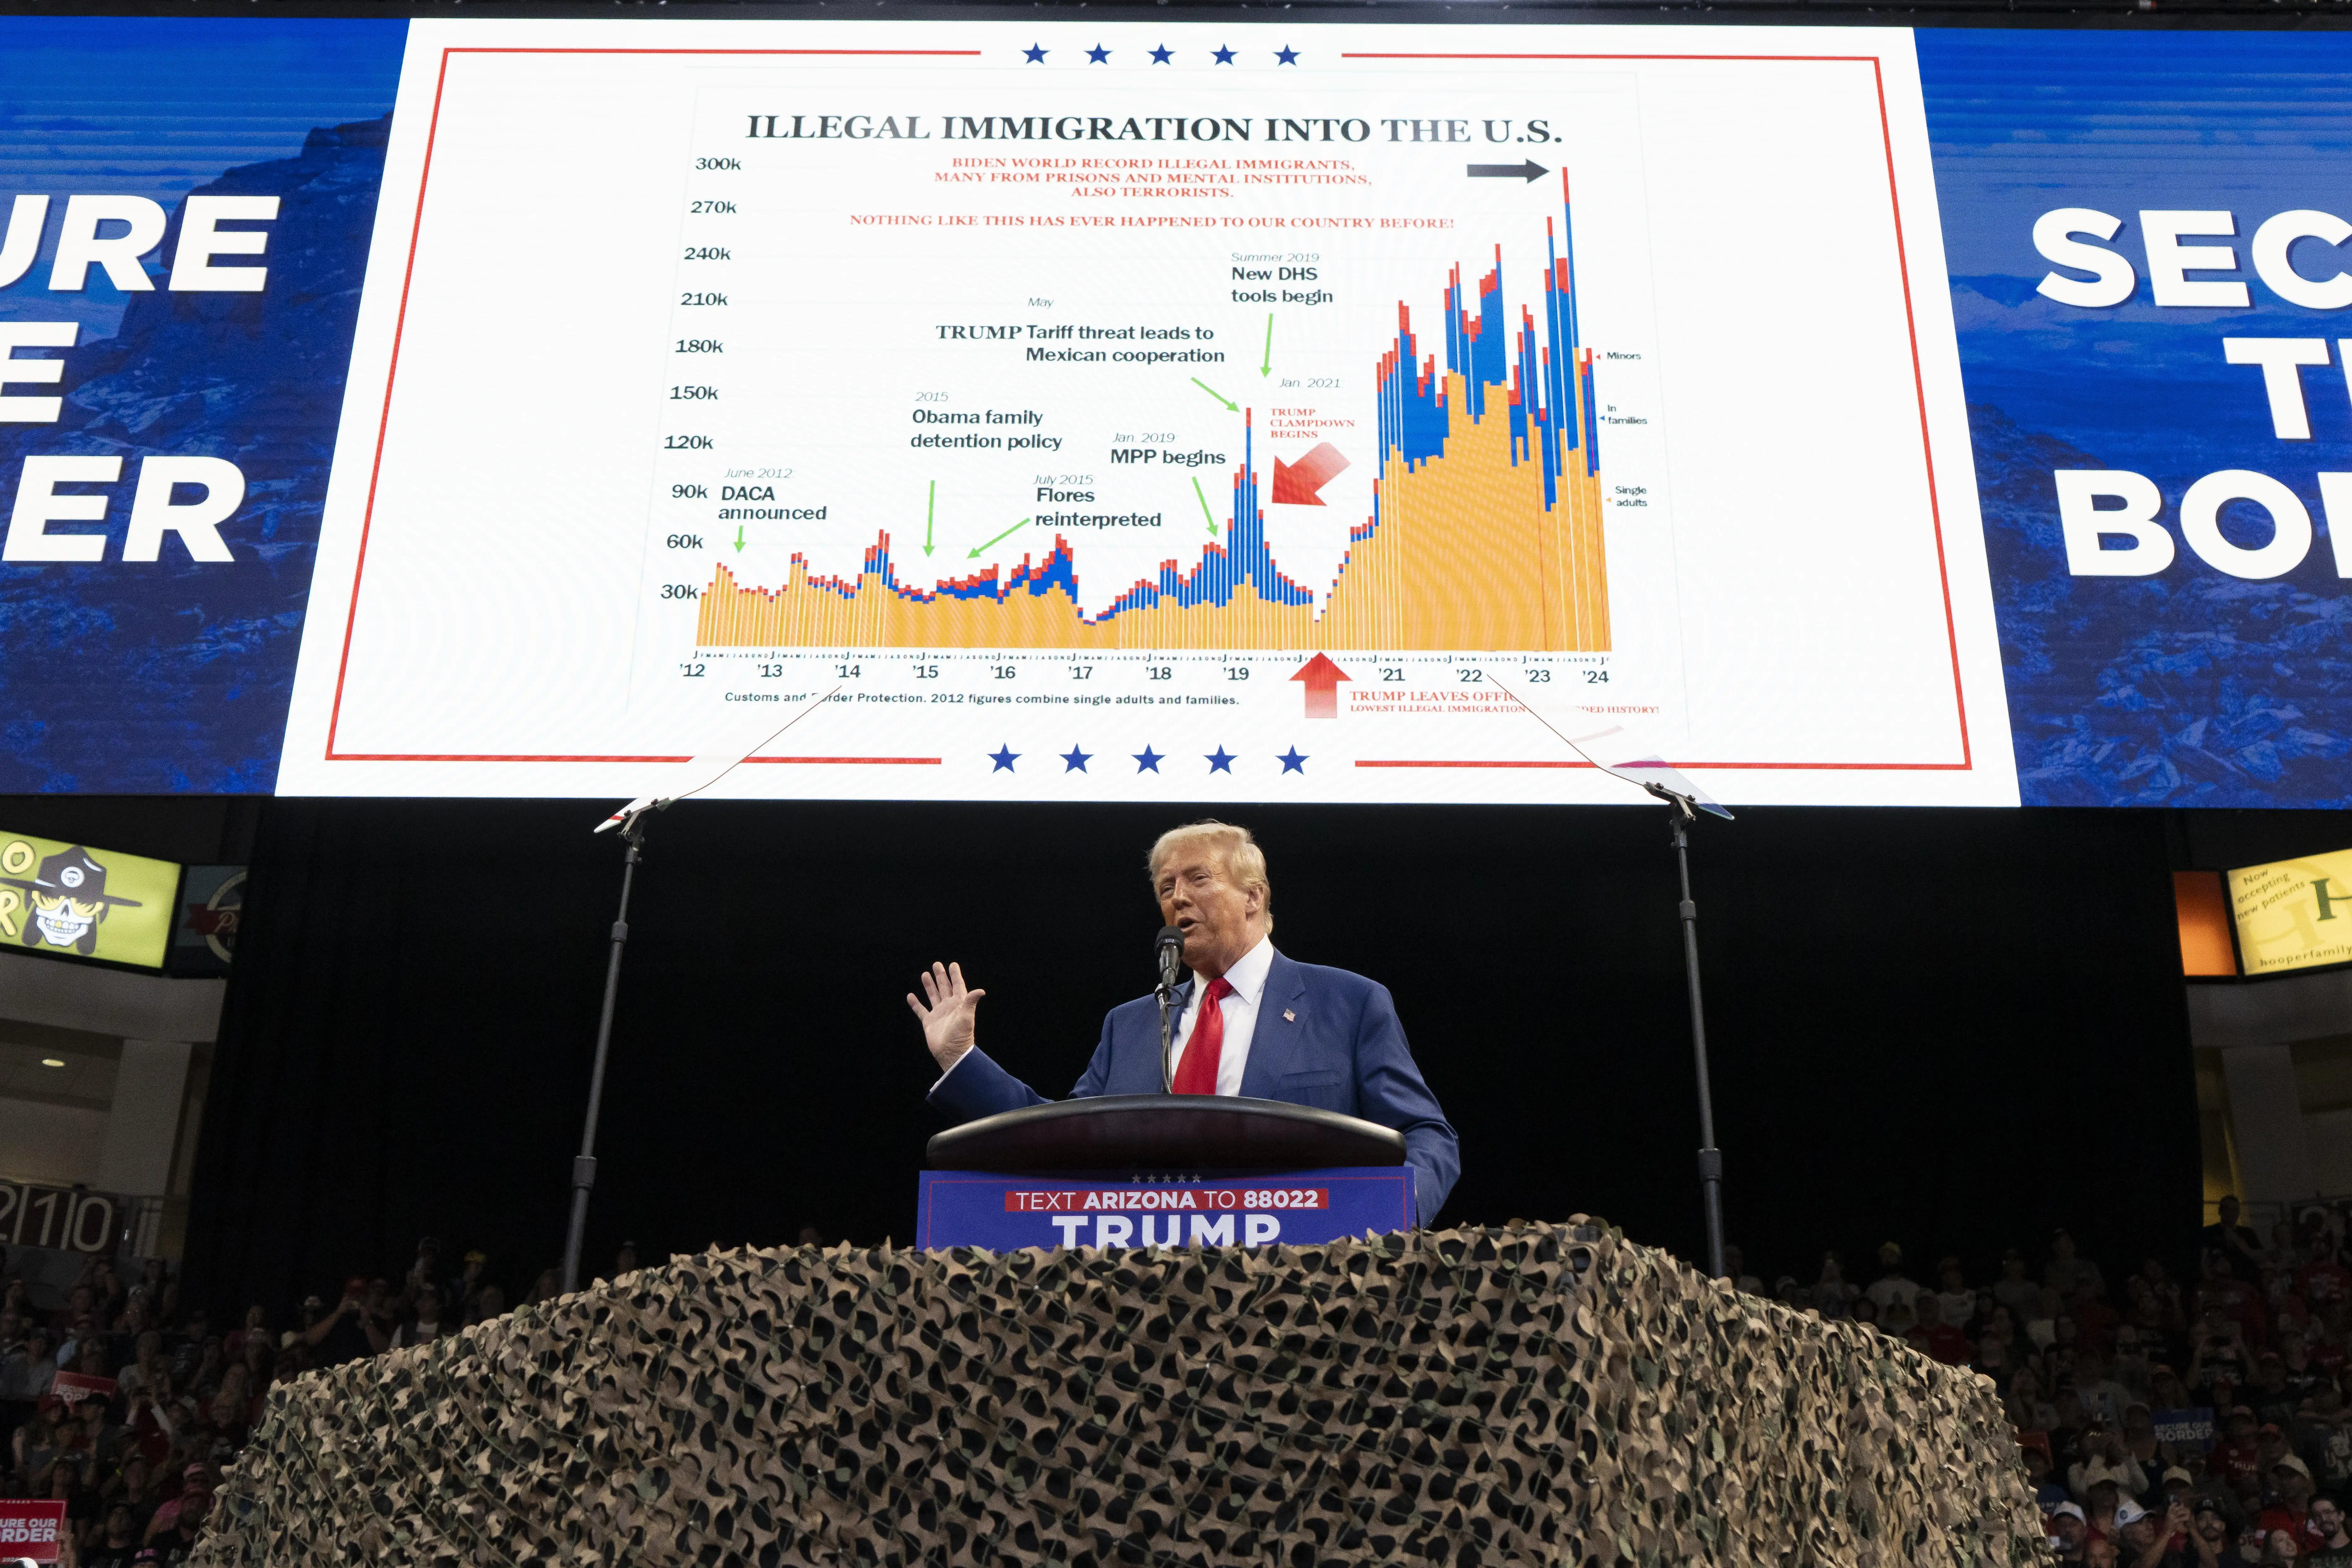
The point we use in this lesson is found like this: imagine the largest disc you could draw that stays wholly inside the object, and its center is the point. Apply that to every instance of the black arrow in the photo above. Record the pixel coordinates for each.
(1527, 171)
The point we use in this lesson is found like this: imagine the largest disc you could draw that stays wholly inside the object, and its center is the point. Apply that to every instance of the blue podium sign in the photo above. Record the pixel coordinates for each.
(1002, 1213)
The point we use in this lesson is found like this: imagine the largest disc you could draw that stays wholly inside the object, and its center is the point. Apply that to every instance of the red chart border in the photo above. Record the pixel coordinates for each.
(1918, 381)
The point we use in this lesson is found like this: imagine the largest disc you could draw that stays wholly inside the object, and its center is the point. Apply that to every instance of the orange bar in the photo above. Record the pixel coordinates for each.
(1467, 556)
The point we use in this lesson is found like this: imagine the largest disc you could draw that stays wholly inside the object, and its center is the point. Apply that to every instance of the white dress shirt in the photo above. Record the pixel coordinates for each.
(1239, 1010)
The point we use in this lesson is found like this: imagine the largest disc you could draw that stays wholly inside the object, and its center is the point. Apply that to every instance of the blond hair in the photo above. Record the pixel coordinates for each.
(1244, 862)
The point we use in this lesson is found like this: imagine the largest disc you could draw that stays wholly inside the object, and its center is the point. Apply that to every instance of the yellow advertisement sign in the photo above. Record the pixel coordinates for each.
(75, 901)
(2294, 914)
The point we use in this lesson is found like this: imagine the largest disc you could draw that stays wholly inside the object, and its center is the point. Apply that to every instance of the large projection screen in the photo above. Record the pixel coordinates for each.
(1210, 413)
(1131, 412)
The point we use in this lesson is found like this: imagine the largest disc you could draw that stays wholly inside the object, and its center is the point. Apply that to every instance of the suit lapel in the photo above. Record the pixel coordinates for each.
(1274, 1044)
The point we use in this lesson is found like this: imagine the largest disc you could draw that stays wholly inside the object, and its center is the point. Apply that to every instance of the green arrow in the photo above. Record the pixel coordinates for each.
(739, 536)
(1267, 368)
(1205, 504)
(1231, 407)
(929, 512)
(1000, 537)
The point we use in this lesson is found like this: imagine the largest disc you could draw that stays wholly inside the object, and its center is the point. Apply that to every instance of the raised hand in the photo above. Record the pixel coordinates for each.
(948, 1021)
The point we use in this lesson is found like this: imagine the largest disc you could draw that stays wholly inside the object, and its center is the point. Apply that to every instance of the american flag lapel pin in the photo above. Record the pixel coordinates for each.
(1288, 1017)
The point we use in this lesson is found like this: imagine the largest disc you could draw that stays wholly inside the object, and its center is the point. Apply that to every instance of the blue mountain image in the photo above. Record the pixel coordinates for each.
(139, 677)
(2188, 687)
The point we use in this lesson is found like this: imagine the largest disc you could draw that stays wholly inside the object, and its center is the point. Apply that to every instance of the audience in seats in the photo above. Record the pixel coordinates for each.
(137, 1467)
(2190, 1412)
(2181, 1413)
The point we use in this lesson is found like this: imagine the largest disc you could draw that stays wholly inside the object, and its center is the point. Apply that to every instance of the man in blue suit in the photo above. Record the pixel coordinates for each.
(1275, 1029)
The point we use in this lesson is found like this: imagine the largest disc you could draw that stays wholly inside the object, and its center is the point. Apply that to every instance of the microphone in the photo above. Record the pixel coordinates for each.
(1168, 948)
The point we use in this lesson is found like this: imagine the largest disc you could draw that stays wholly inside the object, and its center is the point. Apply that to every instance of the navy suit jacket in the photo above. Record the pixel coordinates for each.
(1325, 1037)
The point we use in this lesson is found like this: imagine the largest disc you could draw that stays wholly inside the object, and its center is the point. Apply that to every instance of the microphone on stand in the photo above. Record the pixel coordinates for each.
(1168, 948)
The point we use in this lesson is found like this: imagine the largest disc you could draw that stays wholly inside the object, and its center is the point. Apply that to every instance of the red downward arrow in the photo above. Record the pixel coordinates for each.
(1295, 484)
(1322, 678)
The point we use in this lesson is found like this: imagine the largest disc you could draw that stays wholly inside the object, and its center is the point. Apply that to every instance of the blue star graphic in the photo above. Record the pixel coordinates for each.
(1074, 760)
(1003, 757)
(1224, 56)
(1219, 762)
(1035, 54)
(1098, 54)
(1147, 761)
(1285, 57)
(1160, 56)
(1292, 763)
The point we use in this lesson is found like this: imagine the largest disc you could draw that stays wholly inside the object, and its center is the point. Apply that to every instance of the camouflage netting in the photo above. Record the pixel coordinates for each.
(1540, 1394)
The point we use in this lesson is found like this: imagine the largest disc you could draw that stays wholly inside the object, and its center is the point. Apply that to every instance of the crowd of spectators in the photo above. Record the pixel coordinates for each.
(2170, 1417)
(137, 1464)
(2190, 1418)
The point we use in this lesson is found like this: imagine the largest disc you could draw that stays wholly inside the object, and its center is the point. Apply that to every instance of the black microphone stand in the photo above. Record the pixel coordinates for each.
(1166, 991)
(583, 1165)
(704, 770)
(1710, 1158)
(1167, 1079)
(1684, 806)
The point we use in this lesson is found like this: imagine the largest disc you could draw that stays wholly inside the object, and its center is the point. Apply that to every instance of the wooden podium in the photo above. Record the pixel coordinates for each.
(1162, 1170)
(1166, 1133)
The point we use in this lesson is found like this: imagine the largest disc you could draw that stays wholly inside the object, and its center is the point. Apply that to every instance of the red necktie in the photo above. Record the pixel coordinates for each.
(1197, 1073)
